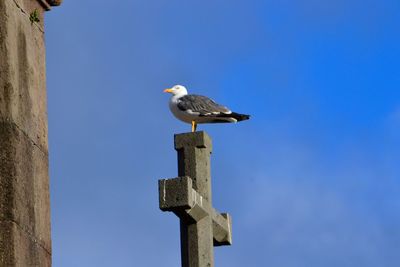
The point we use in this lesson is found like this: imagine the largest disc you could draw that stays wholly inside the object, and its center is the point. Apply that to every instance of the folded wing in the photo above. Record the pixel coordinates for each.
(201, 105)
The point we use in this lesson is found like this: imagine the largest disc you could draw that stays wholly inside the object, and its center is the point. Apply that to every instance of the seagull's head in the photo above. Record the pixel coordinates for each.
(178, 90)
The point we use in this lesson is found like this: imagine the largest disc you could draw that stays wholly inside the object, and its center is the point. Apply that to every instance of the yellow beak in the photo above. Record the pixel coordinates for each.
(168, 90)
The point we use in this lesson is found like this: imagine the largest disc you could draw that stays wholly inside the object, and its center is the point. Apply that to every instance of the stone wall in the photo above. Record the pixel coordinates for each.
(24, 179)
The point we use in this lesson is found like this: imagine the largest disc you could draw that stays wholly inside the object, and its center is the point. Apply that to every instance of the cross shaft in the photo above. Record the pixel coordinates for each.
(189, 197)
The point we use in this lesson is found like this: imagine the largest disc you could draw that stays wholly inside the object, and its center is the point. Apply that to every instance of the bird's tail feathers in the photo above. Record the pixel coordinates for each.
(239, 117)
(229, 117)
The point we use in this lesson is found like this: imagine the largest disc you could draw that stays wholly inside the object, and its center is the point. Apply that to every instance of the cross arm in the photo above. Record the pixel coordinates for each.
(222, 229)
(177, 195)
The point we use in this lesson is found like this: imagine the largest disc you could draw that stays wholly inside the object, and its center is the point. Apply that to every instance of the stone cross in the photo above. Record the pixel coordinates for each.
(24, 178)
(189, 197)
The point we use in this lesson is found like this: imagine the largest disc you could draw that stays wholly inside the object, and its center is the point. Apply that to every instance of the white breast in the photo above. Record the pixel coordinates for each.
(179, 114)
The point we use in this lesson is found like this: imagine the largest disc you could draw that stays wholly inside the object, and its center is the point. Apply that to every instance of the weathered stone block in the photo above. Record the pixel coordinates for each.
(196, 139)
(222, 229)
(24, 197)
(22, 77)
(175, 194)
(18, 248)
(194, 151)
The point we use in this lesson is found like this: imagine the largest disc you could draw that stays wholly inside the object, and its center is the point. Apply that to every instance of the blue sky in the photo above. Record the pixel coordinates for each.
(313, 179)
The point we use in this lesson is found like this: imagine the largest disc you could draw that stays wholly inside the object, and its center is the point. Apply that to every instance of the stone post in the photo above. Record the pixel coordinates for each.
(189, 197)
(24, 178)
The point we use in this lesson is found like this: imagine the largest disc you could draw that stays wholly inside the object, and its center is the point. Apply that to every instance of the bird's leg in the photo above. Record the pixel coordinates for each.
(194, 126)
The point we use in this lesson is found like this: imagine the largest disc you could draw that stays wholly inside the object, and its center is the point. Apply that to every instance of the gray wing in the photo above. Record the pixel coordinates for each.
(202, 105)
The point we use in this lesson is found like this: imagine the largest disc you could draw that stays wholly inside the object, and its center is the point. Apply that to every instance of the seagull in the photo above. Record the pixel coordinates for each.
(194, 109)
